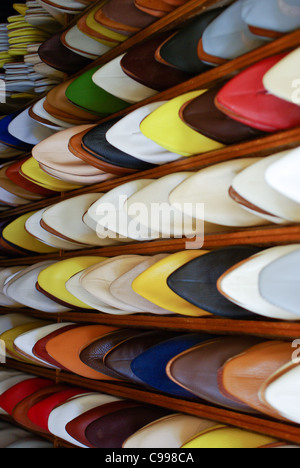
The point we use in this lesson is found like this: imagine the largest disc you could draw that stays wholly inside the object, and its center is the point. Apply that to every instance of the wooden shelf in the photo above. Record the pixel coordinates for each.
(269, 329)
(259, 424)
(263, 237)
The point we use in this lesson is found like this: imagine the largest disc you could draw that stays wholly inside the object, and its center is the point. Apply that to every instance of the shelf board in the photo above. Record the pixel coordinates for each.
(260, 424)
(261, 237)
(262, 327)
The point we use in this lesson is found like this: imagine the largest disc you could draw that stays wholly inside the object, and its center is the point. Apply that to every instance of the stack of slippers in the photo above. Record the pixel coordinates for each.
(251, 193)
(22, 33)
(88, 419)
(194, 123)
(220, 370)
(102, 28)
(173, 57)
(239, 282)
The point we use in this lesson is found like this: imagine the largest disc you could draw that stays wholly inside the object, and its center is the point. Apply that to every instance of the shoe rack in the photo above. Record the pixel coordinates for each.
(263, 236)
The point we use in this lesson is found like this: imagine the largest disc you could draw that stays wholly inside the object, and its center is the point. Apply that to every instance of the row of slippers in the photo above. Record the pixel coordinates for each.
(159, 53)
(250, 375)
(245, 108)
(155, 134)
(96, 420)
(252, 192)
(210, 40)
(101, 29)
(139, 74)
(240, 282)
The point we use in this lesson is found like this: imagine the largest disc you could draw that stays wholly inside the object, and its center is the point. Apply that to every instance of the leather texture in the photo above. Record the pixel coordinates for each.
(95, 141)
(66, 347)
(165, 128)
(150, 366)
(243, 375)
(204, 361)
(120, 357)
(20, 411)
(283, 381)
(139, 63)
(196, 281)
(94, 355)
(121, 288)
(202, 115)
(98, 279)
(281, 175)
(180, 49)
(228, 36)
(240, 284)
(111, 430)
(62, 415)
(278, 282)
(220, 209)
(152, 284)
(93, 98)
(112, 78)
(269, 204)
(40, 351)
(12, 397)
(55, 54)
(92, 158)
(77, 427)
(279, 79)
(169, 432)
(39, 413)
(228, 437)
(52, 279)
(170, 223)
(13, 173)
(253, 105)
(125, 11)
(126, 135)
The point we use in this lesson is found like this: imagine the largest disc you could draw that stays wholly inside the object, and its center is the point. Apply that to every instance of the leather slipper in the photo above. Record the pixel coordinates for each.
(165, 127)
(278, 282)
(94, 141)
(152, 284)
(76, 340)
(264, 200)
(52, 280)
(119, 358)
(240, 284)
(282, 175)
(220, 209)
(150, 366)
(253, 105)
(126, 135)
(196, 281)
(188, 368)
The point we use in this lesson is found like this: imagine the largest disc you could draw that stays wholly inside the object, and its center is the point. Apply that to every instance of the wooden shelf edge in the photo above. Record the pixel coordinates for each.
(260, 424)
(264, 237)
(268, 329)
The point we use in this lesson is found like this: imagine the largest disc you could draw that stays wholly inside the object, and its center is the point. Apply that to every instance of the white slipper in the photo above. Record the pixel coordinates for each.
(241, 284)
